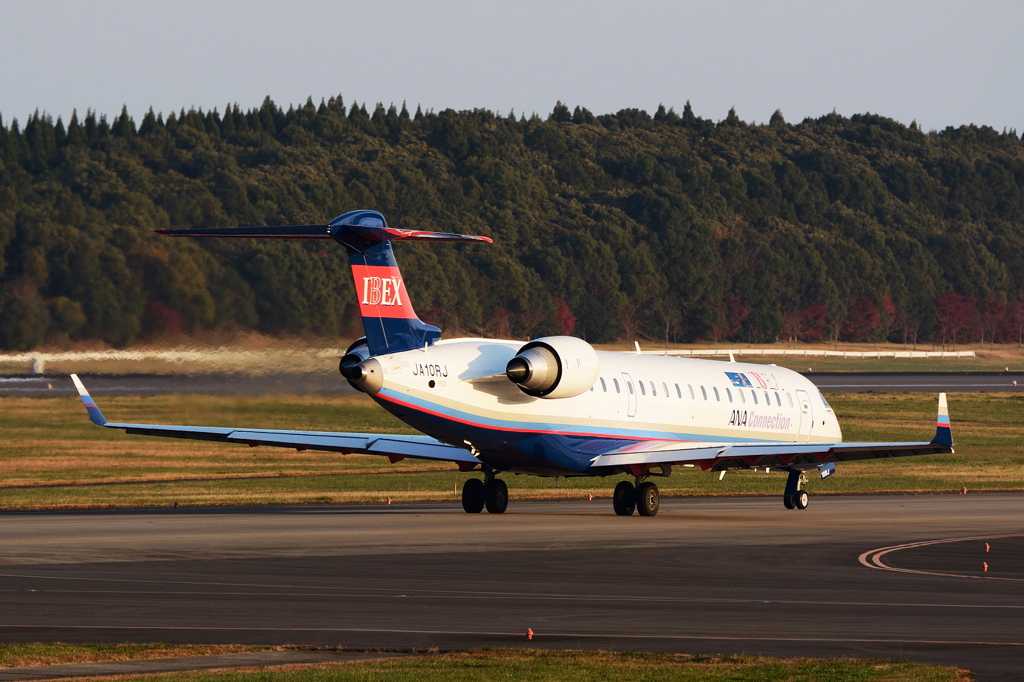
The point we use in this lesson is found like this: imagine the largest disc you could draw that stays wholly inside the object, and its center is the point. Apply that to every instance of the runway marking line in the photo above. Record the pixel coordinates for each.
(518, 635)
(328, 591)
(873, 558)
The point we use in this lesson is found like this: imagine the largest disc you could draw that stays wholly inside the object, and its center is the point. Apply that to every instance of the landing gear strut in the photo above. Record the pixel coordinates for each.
(491, 493)
(643, 497)
(794, 498)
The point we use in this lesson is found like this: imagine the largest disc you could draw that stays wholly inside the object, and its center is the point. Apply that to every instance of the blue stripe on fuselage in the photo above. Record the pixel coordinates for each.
(530, 445)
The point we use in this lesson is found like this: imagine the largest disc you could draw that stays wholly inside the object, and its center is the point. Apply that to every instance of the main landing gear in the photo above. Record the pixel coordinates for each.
(794, 497)
(643, 497)
(491, 493)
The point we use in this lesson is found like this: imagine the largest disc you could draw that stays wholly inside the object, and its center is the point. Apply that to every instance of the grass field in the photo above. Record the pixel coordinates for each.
(53, 653)
(519, 664)
(51, 456)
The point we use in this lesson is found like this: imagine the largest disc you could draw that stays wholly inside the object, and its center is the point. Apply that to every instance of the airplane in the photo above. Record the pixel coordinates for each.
(553, 406)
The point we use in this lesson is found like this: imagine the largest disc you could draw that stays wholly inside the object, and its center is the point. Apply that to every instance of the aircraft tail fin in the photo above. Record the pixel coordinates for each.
(389, 320)
(390, 323)
(943, 435)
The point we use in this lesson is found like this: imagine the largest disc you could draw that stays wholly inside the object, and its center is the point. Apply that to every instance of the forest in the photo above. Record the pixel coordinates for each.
(665, 227)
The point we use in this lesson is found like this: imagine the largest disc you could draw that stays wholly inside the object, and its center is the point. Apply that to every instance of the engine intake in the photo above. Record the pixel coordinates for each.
(554, 367)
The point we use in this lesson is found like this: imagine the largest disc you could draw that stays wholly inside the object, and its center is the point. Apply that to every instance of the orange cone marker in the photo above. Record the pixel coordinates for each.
(529, 633)
(389, 500)
(964, 491)
(984, 566)
(590, 497)
(986, 548)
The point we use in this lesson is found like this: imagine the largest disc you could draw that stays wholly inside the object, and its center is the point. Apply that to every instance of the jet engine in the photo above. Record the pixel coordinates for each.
(349, 365)
(554, 367)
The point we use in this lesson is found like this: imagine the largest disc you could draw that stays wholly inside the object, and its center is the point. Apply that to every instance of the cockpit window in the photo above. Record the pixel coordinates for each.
(823, 400)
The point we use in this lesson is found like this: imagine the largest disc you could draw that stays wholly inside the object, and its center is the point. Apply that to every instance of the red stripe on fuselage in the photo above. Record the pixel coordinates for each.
(448, 417)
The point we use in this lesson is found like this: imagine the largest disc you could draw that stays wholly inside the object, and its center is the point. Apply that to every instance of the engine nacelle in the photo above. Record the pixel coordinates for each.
(349, 365)
(554, 367)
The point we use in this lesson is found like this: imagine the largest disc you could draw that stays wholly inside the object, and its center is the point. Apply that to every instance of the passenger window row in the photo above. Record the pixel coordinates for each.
(703, 391)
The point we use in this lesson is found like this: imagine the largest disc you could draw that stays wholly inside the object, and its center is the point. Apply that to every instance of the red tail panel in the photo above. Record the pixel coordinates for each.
(381, 292)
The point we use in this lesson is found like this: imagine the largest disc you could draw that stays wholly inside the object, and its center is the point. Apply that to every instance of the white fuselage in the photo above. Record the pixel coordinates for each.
(456, 391)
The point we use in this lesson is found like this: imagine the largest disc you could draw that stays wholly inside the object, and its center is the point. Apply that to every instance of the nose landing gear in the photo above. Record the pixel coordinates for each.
(794, 498)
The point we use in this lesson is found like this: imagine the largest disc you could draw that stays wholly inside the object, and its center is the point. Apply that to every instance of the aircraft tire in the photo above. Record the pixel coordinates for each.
(496, 496)
(624, 499)
(473, 496)
(801, 499)
(788, 501)
(647, 499)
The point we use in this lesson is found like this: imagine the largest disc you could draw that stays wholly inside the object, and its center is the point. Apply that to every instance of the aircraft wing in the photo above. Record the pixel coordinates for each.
(394, 447)
(781, 455)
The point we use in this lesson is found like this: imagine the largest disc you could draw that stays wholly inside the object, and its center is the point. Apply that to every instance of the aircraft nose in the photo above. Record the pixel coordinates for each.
(368, 375)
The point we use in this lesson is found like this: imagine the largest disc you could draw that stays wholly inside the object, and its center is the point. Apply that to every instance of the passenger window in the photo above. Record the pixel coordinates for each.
(642, 390)
(704, 393)
(616, 382)
(790, 399)
(743, 398)
(629, 385)
(778, 400)
(692, 396)
(728, 393)
(664, 387)
(678, 392)
(718, 398)
(754, 394)
(604, 386)
(654, 391)
(767, 400)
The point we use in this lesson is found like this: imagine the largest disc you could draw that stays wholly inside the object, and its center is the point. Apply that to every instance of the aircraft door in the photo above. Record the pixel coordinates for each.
(630, 389)
(806, 416)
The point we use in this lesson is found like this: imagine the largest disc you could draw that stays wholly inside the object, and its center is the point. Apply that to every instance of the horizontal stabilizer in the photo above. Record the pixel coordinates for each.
(371, 226)
(284, 232)
(392, 234)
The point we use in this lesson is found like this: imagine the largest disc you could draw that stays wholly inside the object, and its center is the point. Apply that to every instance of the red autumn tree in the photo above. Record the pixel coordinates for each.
(862, 319)
(953, 314)
(564, 318)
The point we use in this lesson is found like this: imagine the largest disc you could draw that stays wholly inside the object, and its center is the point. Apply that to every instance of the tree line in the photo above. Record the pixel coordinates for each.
(628, 225)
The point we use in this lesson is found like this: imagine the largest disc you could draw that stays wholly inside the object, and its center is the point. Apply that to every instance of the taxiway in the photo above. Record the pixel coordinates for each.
(706, 575)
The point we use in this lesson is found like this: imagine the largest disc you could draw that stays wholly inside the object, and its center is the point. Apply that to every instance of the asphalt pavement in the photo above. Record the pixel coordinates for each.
(893, 576)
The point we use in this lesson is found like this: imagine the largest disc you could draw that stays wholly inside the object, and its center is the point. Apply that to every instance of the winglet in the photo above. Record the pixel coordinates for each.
(943, 436)
(94, 412)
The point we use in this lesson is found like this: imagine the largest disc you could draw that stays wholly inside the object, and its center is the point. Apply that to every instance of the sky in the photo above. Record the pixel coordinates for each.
(940, 63)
